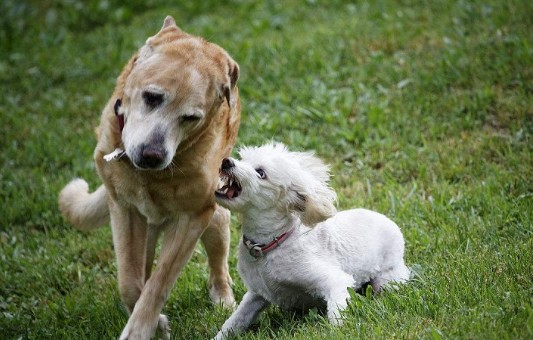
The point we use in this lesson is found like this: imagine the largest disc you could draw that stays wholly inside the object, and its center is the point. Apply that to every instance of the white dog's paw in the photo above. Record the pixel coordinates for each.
(335, 312)
(335, 320)
(221, 336)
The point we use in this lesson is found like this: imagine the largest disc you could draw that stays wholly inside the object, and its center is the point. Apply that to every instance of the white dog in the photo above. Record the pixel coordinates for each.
(283, 259)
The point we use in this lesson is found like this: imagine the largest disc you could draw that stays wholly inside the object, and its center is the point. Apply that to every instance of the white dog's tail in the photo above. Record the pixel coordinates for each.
(86, 211)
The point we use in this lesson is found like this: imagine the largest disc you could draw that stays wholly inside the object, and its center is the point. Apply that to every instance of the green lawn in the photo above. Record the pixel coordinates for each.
(424, 111)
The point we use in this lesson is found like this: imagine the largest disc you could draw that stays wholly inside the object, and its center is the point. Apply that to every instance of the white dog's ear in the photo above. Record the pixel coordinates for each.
(314, 206)
(309, 193)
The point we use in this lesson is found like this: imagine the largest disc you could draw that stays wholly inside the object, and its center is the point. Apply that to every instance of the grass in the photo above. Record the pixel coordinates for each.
(424, 110)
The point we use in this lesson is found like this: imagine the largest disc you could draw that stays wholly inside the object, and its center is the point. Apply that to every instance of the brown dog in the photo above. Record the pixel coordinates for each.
(173, 117)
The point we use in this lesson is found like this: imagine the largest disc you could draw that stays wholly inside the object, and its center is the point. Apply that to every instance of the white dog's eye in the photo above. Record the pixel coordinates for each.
(262, 174)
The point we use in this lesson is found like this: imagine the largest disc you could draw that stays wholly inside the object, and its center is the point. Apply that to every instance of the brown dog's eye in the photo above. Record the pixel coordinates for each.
(190, 118)
(152, 99)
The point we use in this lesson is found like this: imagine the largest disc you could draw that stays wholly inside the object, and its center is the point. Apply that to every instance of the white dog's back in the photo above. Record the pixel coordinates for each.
(364, 243)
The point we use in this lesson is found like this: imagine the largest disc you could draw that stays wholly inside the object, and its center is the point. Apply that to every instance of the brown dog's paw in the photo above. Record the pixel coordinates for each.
(222, 295)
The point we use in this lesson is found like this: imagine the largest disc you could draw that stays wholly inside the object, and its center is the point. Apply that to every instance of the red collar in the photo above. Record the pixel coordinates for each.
(258, 250)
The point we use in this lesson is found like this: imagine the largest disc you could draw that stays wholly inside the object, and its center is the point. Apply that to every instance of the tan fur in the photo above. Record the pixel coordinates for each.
(86, 211)
(177, 201)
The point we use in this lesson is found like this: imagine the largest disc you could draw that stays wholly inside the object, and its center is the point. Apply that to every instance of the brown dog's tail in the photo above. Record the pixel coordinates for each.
(86, 211)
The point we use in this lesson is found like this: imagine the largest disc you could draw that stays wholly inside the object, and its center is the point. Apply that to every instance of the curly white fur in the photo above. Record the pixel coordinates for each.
(327, 252)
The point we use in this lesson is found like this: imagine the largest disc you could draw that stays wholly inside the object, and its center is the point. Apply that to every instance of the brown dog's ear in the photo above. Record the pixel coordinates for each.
(153, 41)
(233, 74)
(121, 81)
(169, 22)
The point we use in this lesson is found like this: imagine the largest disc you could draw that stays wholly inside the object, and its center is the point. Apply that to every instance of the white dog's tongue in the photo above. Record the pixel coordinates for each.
(231, 192)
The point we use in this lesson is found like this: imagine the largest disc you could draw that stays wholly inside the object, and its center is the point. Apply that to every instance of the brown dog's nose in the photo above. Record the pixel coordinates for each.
(227, 163)
(151, 156)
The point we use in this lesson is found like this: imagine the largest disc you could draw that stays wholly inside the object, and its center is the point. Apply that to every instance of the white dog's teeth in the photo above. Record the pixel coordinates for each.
(222, 181)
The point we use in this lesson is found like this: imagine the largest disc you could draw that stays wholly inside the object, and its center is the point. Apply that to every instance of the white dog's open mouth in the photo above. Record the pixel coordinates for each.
(228, 187)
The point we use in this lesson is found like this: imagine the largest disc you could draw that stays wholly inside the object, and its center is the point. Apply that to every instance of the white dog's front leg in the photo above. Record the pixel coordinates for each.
(335, 307)
(337, 298)
(248, 310)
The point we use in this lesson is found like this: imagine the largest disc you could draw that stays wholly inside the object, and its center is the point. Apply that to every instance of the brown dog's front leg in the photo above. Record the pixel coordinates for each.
(130, 241)
(179, 241)
(216, 240)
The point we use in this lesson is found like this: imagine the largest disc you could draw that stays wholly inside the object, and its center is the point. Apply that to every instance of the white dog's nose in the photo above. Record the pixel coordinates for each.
(227, 163)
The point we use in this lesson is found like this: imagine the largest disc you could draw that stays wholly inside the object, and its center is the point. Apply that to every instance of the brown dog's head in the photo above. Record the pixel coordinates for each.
(176, 85)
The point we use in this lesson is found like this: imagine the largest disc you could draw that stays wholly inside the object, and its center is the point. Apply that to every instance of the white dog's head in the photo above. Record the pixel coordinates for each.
(271, 178)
